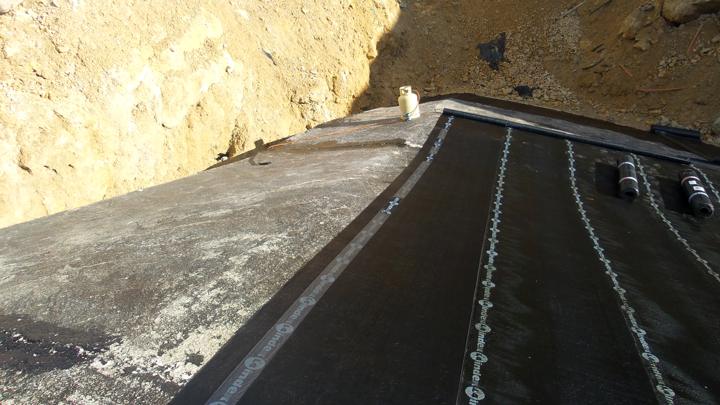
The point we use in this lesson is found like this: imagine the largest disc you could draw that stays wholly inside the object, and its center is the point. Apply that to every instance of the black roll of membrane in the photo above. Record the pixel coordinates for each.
(697, 196)
(629, 188)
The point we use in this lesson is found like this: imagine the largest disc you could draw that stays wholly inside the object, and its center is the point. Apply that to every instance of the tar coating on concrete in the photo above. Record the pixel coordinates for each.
(387, 331)
(151, 285)
(567, 325)
(394, 301)
(123, 301)
(252, 365)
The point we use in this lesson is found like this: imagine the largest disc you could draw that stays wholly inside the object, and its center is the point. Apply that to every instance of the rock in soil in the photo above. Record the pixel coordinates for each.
(682, 11)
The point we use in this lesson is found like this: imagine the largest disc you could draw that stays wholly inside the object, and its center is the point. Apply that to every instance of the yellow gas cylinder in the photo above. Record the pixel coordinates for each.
(409, 103)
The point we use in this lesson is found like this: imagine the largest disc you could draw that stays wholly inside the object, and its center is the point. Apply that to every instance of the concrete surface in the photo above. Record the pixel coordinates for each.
(122, 301)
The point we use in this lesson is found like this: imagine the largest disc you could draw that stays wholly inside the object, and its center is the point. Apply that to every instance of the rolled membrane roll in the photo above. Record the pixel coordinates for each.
(629, 188)
(697, 196)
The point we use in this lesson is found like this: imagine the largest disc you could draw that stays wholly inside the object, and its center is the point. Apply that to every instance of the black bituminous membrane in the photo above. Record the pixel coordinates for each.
(675, 301)
(393, 328)
(557, 335)
(214, 372)
(479, 151)
(702, 234)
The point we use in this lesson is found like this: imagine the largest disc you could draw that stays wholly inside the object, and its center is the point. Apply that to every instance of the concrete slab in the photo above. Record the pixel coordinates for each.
(122, 301)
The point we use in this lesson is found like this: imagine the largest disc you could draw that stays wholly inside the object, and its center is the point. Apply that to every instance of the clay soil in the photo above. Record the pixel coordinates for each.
(575, 60)
(101, 101)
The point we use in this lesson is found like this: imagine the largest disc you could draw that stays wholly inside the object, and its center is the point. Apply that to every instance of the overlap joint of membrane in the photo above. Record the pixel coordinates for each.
(473, 391)
(671, 227)
(665, 392)
(242, 377)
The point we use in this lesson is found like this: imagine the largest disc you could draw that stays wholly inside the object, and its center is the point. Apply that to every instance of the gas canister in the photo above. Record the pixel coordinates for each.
(409, 102)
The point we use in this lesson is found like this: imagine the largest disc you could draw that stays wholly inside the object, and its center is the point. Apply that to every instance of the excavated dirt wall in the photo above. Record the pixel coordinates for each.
(622, 61)
(103, 98)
